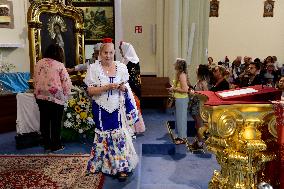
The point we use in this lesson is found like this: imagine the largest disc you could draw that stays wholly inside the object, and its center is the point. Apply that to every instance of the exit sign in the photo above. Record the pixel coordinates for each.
(138, 29)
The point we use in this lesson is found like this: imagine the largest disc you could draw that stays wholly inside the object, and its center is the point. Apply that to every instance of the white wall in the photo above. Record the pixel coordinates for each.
(242, 30)
(17, 56)
(140, 12)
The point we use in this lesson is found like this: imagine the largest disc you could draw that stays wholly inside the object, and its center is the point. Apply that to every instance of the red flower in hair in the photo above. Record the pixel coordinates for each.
(107, 40)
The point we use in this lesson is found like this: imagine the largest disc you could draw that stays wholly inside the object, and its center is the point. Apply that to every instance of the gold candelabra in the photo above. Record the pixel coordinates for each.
(243, 137)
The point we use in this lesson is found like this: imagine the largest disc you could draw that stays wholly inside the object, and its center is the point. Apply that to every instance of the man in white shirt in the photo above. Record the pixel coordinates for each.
(95, 57)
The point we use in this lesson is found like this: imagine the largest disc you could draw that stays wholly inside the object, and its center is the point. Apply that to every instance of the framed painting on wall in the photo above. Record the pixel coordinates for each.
(98, 23)
(98, 19)
(214, 8)
(268, 8)
(59, 30)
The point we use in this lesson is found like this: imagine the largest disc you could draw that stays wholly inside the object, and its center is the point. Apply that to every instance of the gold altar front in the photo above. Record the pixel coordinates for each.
(243, 138)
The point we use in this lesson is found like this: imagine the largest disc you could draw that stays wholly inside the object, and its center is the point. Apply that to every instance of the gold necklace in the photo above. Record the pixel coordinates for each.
(108, 68)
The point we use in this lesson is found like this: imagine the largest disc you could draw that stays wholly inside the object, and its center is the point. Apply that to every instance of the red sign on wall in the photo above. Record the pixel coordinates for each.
(138, 29)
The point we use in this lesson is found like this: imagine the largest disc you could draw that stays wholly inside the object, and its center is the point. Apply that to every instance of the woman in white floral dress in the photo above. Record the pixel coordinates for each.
(113, 152)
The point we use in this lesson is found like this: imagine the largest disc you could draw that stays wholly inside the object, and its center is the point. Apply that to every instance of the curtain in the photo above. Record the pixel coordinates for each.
(199, 14)
(175, 34)
(118, 27)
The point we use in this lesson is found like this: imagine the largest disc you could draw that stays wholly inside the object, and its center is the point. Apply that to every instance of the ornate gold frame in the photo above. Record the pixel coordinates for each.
(56, 7)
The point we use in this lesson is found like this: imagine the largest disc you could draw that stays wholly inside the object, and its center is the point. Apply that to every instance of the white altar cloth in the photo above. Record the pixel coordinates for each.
(27, 114)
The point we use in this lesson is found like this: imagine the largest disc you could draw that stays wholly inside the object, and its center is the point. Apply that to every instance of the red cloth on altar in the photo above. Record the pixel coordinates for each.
(262, 95)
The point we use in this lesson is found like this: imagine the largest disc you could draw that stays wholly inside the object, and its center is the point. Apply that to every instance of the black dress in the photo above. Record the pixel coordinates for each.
(134, 78)
(223, 85)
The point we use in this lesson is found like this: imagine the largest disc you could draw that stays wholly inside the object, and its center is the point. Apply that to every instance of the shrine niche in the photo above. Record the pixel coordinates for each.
(6, 14)
(52, 21)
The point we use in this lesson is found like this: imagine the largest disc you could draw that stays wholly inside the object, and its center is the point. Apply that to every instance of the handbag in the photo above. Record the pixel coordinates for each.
(170, 102)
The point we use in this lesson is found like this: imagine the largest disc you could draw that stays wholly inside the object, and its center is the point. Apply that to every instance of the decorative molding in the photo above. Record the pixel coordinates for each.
(12, 45)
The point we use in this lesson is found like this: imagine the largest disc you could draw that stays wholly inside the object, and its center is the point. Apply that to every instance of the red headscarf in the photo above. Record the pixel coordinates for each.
(107, 40)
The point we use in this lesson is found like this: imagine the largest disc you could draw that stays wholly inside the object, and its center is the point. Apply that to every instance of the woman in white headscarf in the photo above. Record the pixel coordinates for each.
(131, 60)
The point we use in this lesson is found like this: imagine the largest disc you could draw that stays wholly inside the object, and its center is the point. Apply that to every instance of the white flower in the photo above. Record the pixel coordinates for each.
(67, 124)
(77, 116)
(68, 115)
(80, 130)
(90, 121)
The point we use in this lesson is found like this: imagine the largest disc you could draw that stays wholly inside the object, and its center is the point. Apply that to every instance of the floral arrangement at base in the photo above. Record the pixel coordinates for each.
(77, 113)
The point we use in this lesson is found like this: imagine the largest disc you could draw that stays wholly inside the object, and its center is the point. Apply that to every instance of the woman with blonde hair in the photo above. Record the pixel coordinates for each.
(180, 93)
(113, 152)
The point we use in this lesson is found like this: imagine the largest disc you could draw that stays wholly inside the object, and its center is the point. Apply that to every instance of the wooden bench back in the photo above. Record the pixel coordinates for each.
(155, 87)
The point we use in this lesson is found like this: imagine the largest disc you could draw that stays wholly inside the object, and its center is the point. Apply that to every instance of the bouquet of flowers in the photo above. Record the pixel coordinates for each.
(77, 111)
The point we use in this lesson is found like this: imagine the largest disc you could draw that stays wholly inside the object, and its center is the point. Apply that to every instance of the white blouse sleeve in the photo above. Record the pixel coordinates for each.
(91, 76)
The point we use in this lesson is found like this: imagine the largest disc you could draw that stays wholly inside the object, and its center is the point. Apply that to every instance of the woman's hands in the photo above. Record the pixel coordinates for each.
(111, 86)
(171, 89)
(114, 86)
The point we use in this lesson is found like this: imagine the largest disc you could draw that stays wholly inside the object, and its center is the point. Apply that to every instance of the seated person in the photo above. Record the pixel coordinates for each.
(281, 86)
(220, 73)
(254, 78)
(270, 75)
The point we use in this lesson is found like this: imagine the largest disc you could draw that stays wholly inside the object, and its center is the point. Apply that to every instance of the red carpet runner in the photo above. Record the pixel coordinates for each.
(47, 172)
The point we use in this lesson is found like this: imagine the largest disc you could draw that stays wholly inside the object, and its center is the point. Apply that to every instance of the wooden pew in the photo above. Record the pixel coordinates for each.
(154, 88)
